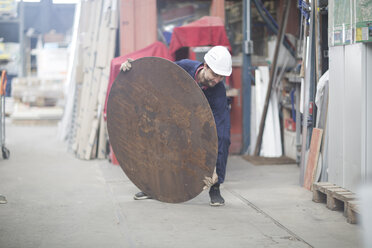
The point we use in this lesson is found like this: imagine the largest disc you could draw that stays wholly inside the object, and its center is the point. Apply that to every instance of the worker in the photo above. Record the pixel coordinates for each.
(209, 76)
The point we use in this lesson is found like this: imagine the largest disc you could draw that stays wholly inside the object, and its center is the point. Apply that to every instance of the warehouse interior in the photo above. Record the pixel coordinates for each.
(299, 171)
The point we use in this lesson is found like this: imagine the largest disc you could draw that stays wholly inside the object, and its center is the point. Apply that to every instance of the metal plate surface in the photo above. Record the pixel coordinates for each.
(162, 130)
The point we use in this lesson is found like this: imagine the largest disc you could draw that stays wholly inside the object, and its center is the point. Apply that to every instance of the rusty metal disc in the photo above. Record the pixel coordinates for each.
(162, 130)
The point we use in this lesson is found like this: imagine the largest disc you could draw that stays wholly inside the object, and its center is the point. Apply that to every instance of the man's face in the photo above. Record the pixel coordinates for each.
(210, 78)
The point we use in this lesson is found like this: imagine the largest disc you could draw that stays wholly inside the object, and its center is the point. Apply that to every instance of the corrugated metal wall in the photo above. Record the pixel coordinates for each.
(367, 138)
(349, 115)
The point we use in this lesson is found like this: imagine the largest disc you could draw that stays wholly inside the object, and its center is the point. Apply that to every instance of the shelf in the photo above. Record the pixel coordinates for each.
(293, 78)
(287, 106)
(9, 20)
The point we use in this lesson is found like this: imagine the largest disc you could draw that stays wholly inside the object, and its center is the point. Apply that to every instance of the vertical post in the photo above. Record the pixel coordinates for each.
(298, 123)
(46, 16)
(246, 77)
(21, 70)
(309, 89)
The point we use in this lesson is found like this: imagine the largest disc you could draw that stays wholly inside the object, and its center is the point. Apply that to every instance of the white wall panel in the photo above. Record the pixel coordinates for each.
(353, 104)
(367, 152)
(336, 114)
(350, 115)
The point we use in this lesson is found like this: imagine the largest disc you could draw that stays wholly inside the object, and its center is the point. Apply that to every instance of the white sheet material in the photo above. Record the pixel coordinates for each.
(271, 141)
(64, 125)
(323, 81)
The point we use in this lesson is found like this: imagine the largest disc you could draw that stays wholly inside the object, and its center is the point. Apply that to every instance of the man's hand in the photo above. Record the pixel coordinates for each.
(126, 66)
(210, 181)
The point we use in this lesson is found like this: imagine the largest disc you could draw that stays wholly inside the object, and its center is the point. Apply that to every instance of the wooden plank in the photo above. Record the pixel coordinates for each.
(114, 16)
(259, 160)
(325, 187)
(95, 53)
(85, 107)
(111, 46)
(102, 139)
(102, 135)
(100, 82)
(87, 63)
(89, 85)
(102, 47)
(346, 197)
(88, 152)
(313, 157)
(90, 120)
(353, 212)
(104, 35)
(336, 190)
(320, 184)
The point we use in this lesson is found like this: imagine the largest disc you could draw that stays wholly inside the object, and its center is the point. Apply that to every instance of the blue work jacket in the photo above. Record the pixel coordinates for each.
(217, 100)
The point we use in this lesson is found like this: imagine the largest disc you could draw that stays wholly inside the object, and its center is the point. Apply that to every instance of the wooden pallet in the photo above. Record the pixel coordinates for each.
(353, 211)
(337, 198)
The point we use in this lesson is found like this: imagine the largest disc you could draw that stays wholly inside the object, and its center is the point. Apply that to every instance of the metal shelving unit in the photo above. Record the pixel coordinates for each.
(6, 20)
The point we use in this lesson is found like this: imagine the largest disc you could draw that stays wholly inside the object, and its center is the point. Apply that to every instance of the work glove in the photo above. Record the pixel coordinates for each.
(126, 65)
(210, 181)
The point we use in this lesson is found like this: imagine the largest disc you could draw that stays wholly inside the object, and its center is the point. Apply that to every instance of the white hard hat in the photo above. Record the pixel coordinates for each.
(219, 60)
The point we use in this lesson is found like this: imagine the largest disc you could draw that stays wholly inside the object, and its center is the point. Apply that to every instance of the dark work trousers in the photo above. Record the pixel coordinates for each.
(217, 100)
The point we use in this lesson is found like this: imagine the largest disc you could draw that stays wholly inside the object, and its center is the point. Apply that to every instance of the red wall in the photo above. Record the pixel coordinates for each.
(236, 112)
(138, 24)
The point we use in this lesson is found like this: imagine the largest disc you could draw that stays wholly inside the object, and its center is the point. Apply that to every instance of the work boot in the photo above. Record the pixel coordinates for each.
(216, 198)
(141, 196)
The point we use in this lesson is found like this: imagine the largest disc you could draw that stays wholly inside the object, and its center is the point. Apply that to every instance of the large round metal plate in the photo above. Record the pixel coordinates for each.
(162, 130)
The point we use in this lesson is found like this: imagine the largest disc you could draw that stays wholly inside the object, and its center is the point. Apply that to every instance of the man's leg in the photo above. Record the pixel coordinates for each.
(223, 152)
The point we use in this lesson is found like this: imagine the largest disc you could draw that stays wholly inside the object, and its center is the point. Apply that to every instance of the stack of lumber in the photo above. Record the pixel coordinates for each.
(96, 23)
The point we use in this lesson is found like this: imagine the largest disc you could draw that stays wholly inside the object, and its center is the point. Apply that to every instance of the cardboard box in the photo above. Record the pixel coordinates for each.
(53, 37)
(52, 63)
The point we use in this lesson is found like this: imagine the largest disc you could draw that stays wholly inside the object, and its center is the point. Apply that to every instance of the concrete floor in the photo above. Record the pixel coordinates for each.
(56, 200)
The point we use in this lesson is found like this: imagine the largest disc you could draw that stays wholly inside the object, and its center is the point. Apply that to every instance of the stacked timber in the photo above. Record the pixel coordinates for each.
(96, 23)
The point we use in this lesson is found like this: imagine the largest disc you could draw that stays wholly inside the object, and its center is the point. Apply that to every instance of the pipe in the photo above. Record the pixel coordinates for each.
(246, 77)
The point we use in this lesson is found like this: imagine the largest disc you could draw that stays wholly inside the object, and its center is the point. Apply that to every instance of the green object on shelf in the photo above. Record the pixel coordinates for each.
(350, 21)
(363, 18)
